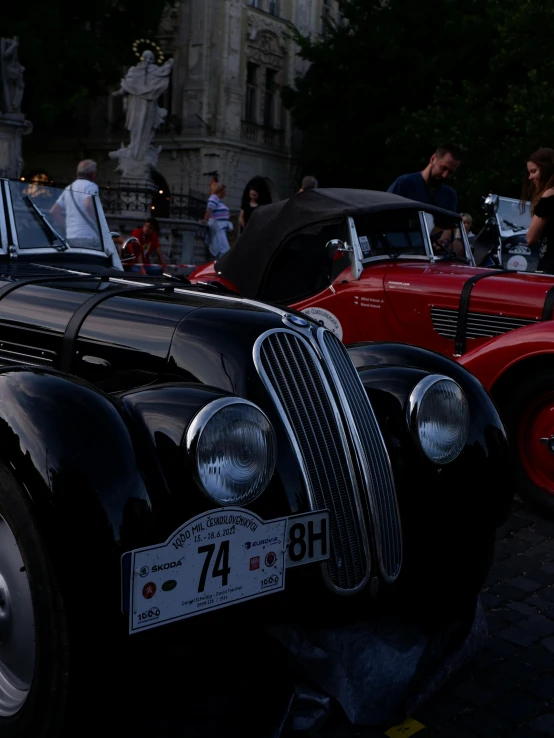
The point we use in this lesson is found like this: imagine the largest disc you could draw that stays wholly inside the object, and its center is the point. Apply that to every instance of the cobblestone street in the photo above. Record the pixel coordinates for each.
(508, 690)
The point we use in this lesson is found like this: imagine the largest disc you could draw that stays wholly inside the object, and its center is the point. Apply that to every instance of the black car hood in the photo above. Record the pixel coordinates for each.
(270, 225)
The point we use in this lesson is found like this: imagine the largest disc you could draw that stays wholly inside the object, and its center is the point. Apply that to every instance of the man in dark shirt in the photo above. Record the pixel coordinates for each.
(429, 186)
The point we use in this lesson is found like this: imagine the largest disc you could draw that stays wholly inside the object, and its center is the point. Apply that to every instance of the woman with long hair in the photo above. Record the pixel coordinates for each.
(248, 206)
(538, 187)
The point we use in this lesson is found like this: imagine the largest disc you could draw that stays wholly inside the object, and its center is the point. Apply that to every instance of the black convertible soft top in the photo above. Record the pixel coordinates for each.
(270, 225)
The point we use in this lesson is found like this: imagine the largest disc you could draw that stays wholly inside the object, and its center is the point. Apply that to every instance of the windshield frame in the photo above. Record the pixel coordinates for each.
(504, 231)
(10, 190)
(429, 256)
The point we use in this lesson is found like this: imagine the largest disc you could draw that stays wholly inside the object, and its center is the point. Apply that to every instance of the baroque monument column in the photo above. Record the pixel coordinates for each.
(13, 124)
(141, 88)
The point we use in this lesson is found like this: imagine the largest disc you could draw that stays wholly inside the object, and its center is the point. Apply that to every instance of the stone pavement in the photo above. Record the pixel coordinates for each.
(508, 690)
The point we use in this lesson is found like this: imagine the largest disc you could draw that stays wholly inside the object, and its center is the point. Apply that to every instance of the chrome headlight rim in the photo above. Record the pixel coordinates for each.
(415, 401)
(193, 437)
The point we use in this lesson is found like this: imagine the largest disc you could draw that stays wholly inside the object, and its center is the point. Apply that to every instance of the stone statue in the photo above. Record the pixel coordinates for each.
(13, 124)
(142, 87)
(12, 75)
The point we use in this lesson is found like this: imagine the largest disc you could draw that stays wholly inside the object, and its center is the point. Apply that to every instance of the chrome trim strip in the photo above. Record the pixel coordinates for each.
(256, 352)
(3, 230)
(426, 236)
(11, 215)
(467, 247)
(63, 269)
(401, 257)
(479, 325)
(233, 298)
(181, 290)
(356, 259)
(70, 252)
(364, 461)
(31, 361)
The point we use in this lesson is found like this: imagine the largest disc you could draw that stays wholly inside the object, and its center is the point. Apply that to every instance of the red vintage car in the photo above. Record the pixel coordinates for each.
(375, 266)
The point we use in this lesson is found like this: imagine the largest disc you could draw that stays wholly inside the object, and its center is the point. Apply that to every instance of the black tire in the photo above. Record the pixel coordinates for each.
(74, 662)
(526, 413)
(40, 713)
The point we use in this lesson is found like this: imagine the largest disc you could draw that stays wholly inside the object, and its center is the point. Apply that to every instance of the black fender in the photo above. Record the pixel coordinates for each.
(482, 473)
(160, 416)
(71, 451)
(104, 474)
(472, 493)
(396, 368)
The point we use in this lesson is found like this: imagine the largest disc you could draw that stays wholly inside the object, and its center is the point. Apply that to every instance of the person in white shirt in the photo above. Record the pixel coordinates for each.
(74, 208)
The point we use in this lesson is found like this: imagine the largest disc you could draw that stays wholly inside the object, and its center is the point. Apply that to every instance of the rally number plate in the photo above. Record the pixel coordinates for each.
(220, 558)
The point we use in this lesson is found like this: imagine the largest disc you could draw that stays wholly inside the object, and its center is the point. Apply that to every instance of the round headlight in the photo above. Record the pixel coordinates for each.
(233, 447)
(438, 417)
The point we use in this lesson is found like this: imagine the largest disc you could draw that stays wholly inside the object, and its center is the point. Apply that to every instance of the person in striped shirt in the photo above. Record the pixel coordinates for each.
(217, 218)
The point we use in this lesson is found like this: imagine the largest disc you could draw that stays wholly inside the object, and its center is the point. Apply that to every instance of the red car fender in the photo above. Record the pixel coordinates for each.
(501, 355)
(204, 272)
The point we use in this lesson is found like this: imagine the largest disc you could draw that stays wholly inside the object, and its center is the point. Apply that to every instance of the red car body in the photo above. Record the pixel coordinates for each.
(498, 324)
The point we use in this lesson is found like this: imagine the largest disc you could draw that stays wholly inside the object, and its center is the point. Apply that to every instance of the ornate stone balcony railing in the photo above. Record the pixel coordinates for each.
(254, 133)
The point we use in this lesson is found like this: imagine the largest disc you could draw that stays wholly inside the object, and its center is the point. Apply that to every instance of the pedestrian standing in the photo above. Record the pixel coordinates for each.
(74, 209)
(217, 217)
(249, 206)
(539, 189)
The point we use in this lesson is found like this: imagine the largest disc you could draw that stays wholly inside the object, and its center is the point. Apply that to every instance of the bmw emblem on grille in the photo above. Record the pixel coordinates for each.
(295, 320)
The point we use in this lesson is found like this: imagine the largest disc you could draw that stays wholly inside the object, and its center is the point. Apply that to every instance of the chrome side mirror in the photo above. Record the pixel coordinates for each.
(127, 241)
(115, 234)
(490, 203)
(335, 246)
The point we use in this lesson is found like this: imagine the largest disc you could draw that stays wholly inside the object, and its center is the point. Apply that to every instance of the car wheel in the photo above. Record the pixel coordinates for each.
(529, 419)
(34, 651)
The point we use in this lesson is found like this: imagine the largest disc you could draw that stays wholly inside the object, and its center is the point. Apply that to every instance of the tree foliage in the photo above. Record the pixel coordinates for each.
(75, 51)
(396, 78)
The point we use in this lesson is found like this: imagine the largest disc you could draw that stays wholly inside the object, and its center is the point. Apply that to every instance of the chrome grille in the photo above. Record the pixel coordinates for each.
(292, 374)
(479, 325)
(375, 463)
(14, 353)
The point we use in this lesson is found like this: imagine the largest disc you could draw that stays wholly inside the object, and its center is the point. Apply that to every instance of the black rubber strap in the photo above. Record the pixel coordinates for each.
(463, 310)
(548, 305)
(72, 329)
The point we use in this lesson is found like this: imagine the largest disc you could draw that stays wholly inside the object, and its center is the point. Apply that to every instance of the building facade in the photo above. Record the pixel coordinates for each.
(225, 115)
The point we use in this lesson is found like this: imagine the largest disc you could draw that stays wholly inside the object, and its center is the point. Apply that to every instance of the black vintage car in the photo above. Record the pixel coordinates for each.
(177, 461)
